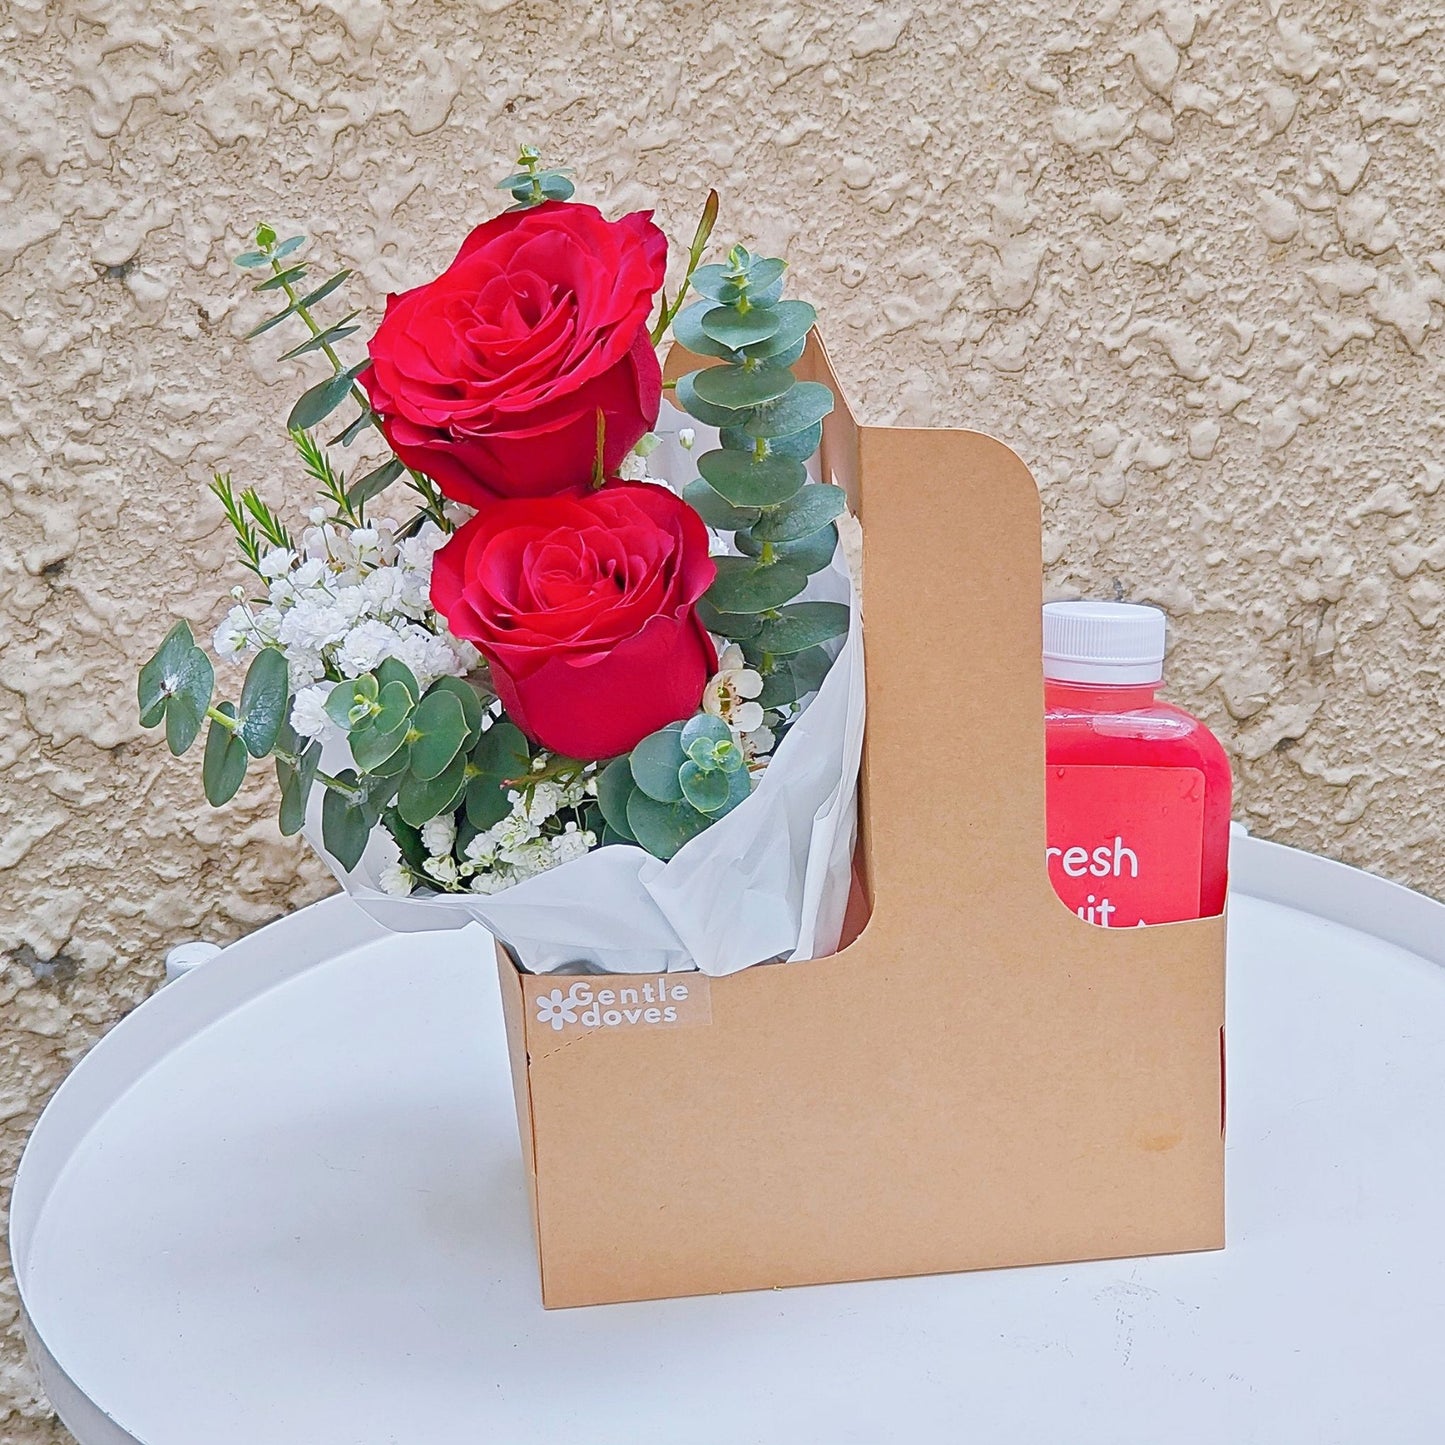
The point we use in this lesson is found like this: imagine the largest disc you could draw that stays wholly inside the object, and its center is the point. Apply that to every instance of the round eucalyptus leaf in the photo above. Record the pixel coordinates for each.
(189, 690)
(701, 753)
(740, 387)
(807, 403)
(744, 585)
(719, 514)
(811, 554)
(688, 333)
(486, 800)
(735, 626)
(694, 405)
(372, 747)
(803, 625)
(795, 319)
(440, 729)
(394, 704)
(265, 699)
(786, 356)
(745, 481)
(465, 694)
(503, 751)
(654, 764)
(422, 799)
(394, 764)
(705, 788)
(158, 678)
(223, 768)
(393, 669)
(765, 282)
(731, 327)
(344, 827)
(663, 828)
(795, 678)
(615, 786)
(713, 281)
(798, 445)
(803, 514)
(703, 727)
(349, 703)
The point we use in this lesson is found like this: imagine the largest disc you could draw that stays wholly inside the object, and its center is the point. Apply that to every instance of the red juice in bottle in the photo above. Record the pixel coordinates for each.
(1138, 790)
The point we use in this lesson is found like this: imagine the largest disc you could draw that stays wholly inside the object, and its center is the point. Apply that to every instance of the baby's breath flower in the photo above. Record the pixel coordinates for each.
(396, 881)
(439, 836)
(308, 713)
(444, 870)
(276, 563)
(233, 635)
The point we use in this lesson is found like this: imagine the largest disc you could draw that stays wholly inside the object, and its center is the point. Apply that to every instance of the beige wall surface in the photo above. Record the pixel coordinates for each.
(1186, 257)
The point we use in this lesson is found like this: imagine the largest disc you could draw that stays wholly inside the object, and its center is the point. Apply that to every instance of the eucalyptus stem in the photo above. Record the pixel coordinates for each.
(429, 494)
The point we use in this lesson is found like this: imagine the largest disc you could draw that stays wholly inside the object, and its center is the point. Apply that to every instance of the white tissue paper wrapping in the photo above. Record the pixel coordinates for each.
(770, 880)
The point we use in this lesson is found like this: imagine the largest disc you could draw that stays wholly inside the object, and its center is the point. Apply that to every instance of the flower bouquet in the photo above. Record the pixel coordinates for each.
(571, 658)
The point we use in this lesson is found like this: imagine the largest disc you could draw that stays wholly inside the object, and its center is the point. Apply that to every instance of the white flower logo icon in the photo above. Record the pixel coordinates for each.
(557, 1009)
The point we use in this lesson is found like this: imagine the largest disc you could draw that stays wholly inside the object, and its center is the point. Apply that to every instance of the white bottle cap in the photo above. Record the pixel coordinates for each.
(1112, 643)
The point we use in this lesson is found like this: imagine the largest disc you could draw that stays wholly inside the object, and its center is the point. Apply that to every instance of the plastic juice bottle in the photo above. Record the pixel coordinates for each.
(1138, 790)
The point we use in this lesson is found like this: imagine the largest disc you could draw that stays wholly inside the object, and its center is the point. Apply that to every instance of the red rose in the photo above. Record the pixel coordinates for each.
(585, 608)
(489, 379)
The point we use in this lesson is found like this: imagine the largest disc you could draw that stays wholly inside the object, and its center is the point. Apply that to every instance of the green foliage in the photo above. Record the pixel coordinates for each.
(792, 678)
(265, 702)
(755, 485)
(668, 314)
(802, 626)
(296, 767)
(224, 491)
(347, 818)
(321, 400)
(318, 402)
(673, 784)
(431, 752)
(714, 510)
(750, 584)
(743, 480)
(811, 553)
(500, 757)
(175, 687)
(533, 183)
(223, 768)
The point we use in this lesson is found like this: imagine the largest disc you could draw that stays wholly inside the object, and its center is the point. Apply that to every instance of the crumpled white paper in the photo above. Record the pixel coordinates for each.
(768, 881)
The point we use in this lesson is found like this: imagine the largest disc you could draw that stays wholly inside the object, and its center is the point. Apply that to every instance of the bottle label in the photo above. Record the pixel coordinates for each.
(1126, 845)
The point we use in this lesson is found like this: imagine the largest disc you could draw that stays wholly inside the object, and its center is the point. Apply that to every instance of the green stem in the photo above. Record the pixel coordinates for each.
(216, 715)
(694, 259)
(337, 786)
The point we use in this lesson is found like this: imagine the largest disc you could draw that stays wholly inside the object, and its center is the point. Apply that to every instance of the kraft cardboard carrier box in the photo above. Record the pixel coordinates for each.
(979, 1078)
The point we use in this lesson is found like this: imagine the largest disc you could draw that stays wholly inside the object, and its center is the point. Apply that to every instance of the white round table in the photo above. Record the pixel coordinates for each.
(282, 1204)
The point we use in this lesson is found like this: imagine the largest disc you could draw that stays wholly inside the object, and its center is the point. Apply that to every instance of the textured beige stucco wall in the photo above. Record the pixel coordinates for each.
(1187, 257)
